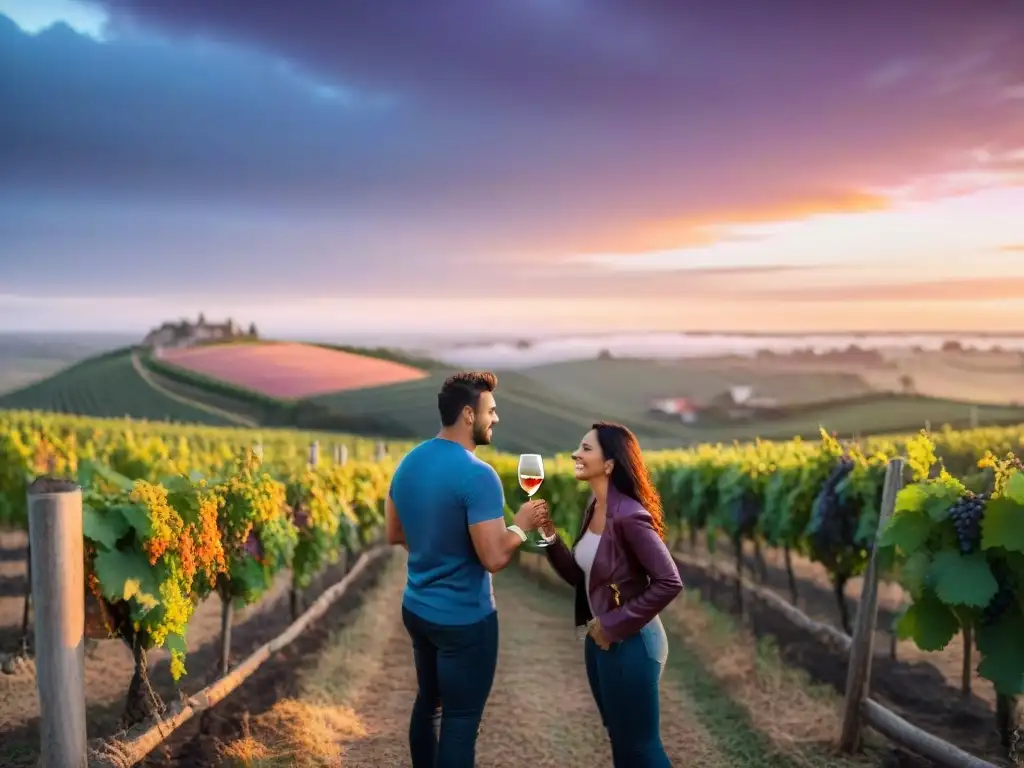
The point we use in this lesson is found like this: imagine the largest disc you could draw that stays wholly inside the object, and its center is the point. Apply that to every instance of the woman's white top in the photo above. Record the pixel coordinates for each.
(585, 552)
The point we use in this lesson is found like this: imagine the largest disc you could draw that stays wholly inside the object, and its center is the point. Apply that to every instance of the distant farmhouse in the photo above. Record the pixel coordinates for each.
(736, 403)
(681, 407)
(187, 334)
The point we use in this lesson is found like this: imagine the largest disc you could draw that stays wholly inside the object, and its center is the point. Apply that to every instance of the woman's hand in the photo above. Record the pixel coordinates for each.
(597, 634)
(531, 514)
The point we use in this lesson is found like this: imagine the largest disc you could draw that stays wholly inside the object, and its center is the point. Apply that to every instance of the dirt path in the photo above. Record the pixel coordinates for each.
(539, 714)
(151, 380)
(923, 688)
(108, 663)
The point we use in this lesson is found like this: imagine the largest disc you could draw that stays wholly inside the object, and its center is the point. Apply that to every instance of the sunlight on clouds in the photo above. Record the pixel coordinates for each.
(691, 232)
(915, 231)
(34, 16)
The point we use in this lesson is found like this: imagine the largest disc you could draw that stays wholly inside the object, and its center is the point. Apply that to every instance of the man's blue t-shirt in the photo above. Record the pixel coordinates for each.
(440, 489)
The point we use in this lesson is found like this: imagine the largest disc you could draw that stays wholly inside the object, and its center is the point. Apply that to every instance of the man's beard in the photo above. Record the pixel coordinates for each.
(480, 435)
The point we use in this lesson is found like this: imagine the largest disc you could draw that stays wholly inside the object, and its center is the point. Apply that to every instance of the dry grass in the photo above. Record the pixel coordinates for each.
(311, 731)
(294, 733)
(799, 718)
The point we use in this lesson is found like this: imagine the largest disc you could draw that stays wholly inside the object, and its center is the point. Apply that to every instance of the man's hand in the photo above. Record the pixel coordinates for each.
(595, 632)
(531, 514)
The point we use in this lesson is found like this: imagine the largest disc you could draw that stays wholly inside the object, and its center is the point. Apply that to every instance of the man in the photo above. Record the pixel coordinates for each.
(446, 507)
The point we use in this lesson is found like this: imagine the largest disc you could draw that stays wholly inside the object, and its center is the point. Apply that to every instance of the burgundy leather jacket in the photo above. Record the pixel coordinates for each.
(633, 576)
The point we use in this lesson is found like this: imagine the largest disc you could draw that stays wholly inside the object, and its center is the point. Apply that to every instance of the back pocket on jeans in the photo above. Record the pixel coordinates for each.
(655, 641)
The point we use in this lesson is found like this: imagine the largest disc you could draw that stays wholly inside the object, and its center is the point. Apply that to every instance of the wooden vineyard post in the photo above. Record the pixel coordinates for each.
(858, 673)
(341, 455)
(58, 584)
(314, 453)
(382, 450)
(794, 595)
(225, 635)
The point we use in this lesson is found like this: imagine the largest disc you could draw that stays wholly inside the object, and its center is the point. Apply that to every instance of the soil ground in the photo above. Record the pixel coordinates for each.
(727, 700)
(109, 666)
(355, 698)
(923, 688)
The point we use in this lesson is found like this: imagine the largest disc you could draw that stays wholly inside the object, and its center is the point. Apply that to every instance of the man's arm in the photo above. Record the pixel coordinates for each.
(494, 543)
(485, 515)
(392, 524)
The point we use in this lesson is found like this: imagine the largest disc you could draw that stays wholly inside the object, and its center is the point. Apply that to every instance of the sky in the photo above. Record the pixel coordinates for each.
(517, 166)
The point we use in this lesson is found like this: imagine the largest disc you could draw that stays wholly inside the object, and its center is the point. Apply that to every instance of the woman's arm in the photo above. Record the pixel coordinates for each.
(561, 558)
(637, 530)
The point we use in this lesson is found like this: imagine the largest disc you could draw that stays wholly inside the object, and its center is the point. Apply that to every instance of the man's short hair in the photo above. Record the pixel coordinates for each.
(460, 390)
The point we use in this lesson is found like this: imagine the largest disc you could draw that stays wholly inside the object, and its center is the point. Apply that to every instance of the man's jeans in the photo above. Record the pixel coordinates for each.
(455, 668)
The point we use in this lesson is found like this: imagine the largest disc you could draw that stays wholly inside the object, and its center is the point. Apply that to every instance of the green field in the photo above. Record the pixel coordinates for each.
(107, 385)
(629, 386)
(533, 417)
(545, 409)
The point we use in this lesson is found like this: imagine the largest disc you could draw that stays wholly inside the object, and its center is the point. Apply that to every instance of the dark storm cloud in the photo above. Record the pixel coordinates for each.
(466, 133)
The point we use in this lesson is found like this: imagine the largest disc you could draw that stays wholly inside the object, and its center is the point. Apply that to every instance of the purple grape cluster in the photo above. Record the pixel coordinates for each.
(253, 546)
(967, 513)
(998, 605)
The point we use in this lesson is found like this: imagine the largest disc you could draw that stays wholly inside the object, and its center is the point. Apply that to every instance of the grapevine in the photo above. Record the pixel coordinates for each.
(256, 530)
(150, 562)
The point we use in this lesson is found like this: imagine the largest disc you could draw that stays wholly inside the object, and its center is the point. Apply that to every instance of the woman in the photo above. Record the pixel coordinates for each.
(624, 577)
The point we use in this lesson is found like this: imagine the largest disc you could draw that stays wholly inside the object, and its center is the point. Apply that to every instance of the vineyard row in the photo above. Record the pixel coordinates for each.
(169, 522)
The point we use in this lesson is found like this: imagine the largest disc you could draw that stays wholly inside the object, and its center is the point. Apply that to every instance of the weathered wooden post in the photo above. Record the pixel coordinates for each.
(341, 454)
(314, 453)
(858, 673)
(382, 450)
(58, 584)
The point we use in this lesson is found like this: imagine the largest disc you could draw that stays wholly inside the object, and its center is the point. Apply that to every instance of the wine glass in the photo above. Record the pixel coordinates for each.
(531, 475)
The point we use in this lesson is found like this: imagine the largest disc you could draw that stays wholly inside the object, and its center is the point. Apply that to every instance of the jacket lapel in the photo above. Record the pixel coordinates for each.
(603, 565)
(586, 521)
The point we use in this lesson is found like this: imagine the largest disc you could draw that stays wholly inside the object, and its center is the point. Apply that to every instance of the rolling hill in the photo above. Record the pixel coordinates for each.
(545, 409)
(112, 385)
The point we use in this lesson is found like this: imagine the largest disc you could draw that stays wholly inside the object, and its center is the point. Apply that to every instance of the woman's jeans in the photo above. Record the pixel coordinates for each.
(624, 680)
(455, 668)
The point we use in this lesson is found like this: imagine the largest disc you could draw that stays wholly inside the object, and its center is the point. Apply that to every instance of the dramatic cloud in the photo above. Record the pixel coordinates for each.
(323, 148)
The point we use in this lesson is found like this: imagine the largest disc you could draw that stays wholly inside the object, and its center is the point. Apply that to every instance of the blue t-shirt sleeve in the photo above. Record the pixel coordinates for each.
(483, 496)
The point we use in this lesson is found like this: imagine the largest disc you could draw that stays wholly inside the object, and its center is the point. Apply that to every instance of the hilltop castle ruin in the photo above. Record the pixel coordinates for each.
(185, 333)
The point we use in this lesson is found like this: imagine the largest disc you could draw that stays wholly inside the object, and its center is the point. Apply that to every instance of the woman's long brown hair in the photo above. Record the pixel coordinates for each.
(629, 474)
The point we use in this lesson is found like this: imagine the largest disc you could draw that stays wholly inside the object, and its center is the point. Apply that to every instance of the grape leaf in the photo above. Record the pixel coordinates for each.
(248, 578)
(137, 517)
(1014, 489)
(907, 530)
(939, 498)
(963, 579)
(929, 622)
(1003, 525)
(176, 642)
(105, 473)
(914, 573)
(999, 645)
(912, 498)
(127, 575)
(104, 526)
